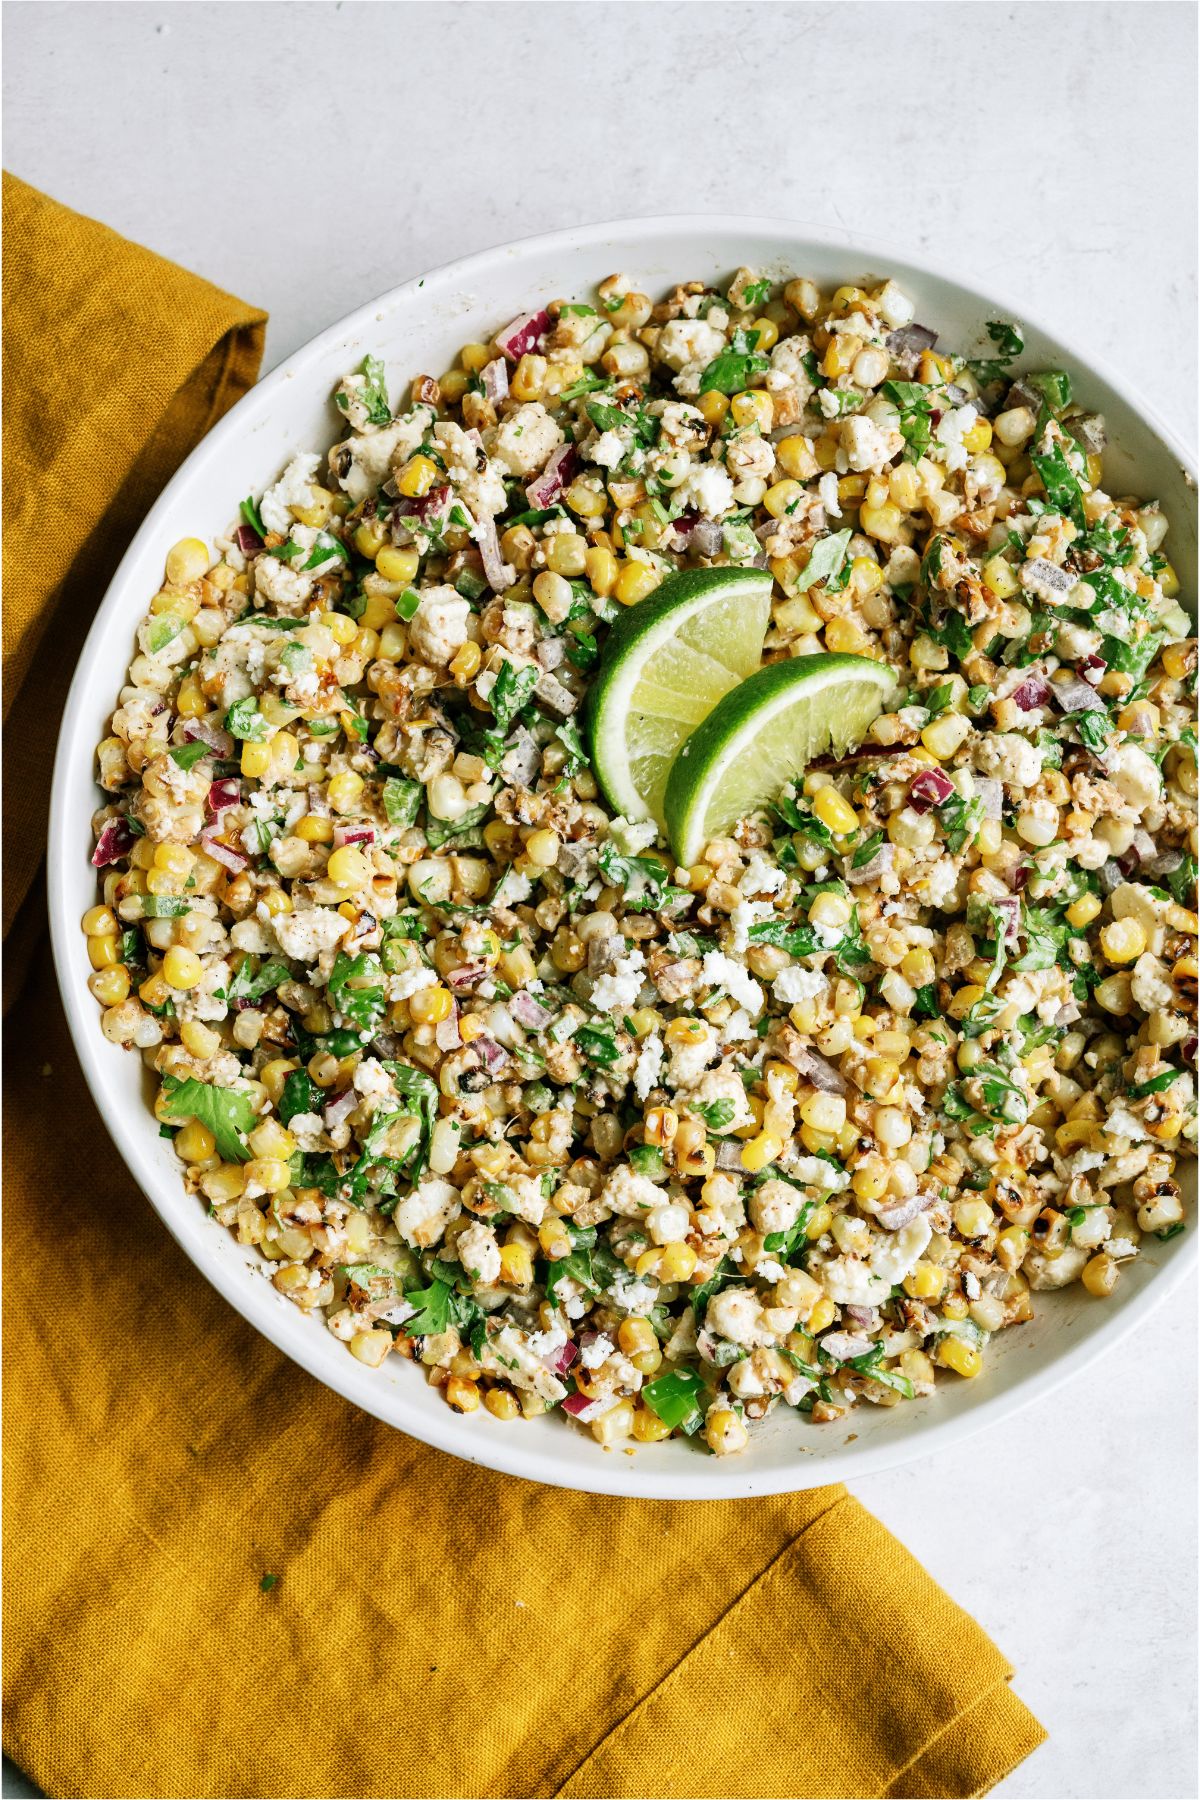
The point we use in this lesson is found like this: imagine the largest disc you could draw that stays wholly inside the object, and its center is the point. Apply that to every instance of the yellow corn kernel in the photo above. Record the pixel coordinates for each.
(870, 1178)
(470, 1028)
(999, 579)
(370, 1347)
(1100, 1276)
(397, 565)
(187, 561)
(542, 847)
(824, 1112)
(781, 499)
(1168, 581)
(761, 1150)
(918, 968)
(753, 407)
(195, 1143)
(99, 921)
(269, 1173)
(821, 1315)
(589, 502)
(661, 1124)
(417, 476)
(724, 1432)
(256, 759)
(110, 985)
(600, 566)
(884, 522)
(174, 859)
(979, 438)
(182, 968)
(1123, 940)
(1084, 910)
(474, 357)
(502, 1403)
(636, 1335)
(314, 829)
(713, 406)
(866, 577)
(345, 791)
(429, 1006)
(944, 734)
(677, 1262)
(516, 1266)
(834, 812)
(634, 582)
(199, 1040)
(368, 541)
(648, 1428)
(190, 701)
(348, 868)
(795, 457)
(989, 836)
(963, 1358)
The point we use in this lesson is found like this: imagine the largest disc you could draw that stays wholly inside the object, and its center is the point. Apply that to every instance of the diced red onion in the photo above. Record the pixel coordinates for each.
(865, 1317)
(1189, 1049)
(1074, 695)
(340, 1108)
(446, 1032)
(991, 793)
(528, 1010)
(869, 871)
(493, 1056)
(523, 335)
(1145, 846)
(498, 574)
(222, 853)
(218, 741)
(353, 834)
(1129, 862)
(706, 538)
(227, 792)
(576, 1404)
(427, 506)
(494, 376)
(1010, 906)
(115, 841)
(842, 1345)
(894, 1218)
(554, 479)
(1092, 668)
(1018, 876)
(561, 1359)
(929, 789)
(248, 540)
(1033, 692)
(467, 975)
(1110, 875)
(822, 1074)
(1164, 863)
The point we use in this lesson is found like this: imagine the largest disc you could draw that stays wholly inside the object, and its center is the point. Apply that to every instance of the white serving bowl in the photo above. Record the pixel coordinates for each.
(419, 327)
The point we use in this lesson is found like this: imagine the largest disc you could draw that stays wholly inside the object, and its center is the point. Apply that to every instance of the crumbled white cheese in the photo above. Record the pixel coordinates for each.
(292, 489)
(761, 876)
(746, 914)
(597, 1352)
(797, 983)
(649, 1064)
(734, 978)
(620, 986)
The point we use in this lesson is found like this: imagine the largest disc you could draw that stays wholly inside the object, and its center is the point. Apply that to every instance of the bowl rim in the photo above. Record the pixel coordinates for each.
(312, 1349)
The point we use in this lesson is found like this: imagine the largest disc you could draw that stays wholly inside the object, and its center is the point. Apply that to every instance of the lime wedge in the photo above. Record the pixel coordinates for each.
(761, 736)
(667, 662)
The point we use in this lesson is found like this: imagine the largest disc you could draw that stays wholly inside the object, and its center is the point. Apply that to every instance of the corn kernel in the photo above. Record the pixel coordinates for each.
(634, 582)
(835, 812)
(1123, 940)
(195, 1143)
(256, 759)
(724, 1432)
(1084, 910)
(516, 1266)
(944, 734)
(1100, 1276)
(430, 1005)
(963, 1358)
(761, 1150)
(182, 968)
(345, 791)
(821, 1315)
(677, 1262)
(187, 561)
(417, 477)
(348, 868)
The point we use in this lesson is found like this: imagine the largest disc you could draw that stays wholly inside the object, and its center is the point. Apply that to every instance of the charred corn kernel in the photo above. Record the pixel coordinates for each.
(870, 1178)
(600, 566)
(636, 1335)
(1100, 1276)
(195, 1143)
(430, 1005)
(678, 1261)
(925, 1282)
(343, 628)
(256, 759)
(199, 1040)
(1084, 910)
(368, 542)
(461, 1394)
(100, 921)
(945, 733)
(713, 406)
(516, 1266)
(634, 582)
(182, 968)
(397, 565)
(187, 561)
(760, 1151)
(661, 1124)
(269, 1173)
(824, 1112)
(963, 1358)
(542, 848)
(345, 791)
(648, 1428)
(110, 985)
(313, 829)
(795, 457)
(371, 1347)
(1177, 660)
(417, 477)
(836, 813)
(154, 990)
(752, 407)
(502, 1403)
(1123, 941)
(190, 701)
(348, 867)
(782, 499)
(724, 1432)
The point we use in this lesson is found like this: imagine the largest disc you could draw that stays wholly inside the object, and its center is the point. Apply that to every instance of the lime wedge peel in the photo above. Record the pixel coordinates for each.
(667, 663)
(763, 734)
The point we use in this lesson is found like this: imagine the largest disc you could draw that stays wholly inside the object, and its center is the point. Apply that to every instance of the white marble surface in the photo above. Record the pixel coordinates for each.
(307, 157)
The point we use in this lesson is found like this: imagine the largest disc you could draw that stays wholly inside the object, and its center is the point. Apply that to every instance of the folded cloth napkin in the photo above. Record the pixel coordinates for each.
(220, 1578)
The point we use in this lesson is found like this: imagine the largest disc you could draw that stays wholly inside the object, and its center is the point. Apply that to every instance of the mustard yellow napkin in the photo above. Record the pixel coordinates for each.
(432, 1629)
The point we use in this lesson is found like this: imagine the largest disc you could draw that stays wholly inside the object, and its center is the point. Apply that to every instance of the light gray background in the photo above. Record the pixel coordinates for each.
(309, 156)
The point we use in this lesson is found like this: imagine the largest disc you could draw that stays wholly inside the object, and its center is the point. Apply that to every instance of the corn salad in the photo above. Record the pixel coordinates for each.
(495, 1087)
